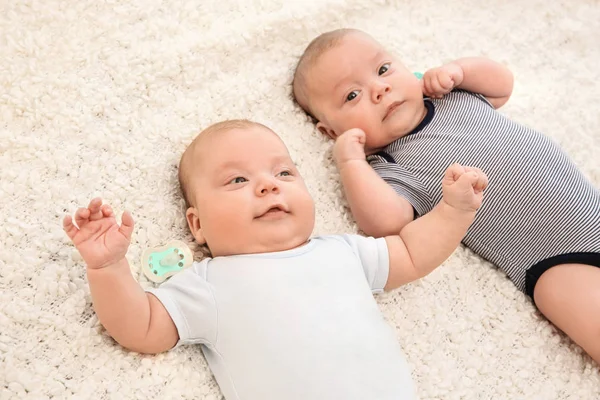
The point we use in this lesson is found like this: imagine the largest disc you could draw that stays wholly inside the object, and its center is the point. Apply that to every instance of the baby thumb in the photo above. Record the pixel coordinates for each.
(126, 224)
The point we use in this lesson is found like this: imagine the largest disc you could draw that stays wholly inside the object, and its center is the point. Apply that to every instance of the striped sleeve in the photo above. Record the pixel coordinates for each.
(477, 95)
(404, 183)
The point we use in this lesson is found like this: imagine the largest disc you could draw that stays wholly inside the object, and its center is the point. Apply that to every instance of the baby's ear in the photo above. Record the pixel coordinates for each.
(194, 223)
(327, 131)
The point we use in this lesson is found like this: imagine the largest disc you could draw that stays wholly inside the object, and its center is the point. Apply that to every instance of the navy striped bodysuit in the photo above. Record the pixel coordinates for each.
(538, 210)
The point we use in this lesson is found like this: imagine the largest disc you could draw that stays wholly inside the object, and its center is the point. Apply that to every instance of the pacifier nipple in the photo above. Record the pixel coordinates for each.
(172, 259)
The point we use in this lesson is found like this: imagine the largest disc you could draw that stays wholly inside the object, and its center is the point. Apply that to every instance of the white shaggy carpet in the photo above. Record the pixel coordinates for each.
(101, 98)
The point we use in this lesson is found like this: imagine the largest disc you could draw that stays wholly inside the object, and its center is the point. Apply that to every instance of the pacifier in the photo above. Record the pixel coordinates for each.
(159, 263)
(418, 75)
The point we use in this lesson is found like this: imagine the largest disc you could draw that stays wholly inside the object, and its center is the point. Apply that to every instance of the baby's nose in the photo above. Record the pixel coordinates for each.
(380, 90)
(268, 186)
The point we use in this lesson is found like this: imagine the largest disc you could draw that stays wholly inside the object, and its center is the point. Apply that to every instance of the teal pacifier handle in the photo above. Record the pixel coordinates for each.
(159, 263)
(418, 75)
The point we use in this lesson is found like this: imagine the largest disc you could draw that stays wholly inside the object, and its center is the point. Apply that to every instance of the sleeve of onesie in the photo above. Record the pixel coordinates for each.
(404, 183)
(374, 258)
(188, 298)
(477, 95)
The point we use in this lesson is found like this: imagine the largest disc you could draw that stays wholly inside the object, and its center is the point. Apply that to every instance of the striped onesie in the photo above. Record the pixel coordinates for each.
(538, 210)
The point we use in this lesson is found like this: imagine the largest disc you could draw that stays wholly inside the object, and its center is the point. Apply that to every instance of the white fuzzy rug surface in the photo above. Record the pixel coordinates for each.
(101, 98)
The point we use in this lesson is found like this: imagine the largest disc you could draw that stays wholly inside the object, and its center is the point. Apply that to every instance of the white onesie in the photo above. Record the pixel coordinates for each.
(297, 324)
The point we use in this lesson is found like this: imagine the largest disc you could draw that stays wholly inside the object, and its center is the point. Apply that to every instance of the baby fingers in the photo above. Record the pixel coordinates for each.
(481, 183)
(107, 211)
(438, 84)
(454, 172)
(431, 87)
(445, 82)
(69, 227)
(126, 225)
(467, 181)
(82, 215)
(95, 208)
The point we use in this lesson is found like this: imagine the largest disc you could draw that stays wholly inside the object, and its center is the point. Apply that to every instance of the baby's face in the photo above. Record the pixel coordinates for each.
(357, 84)
(248, 194)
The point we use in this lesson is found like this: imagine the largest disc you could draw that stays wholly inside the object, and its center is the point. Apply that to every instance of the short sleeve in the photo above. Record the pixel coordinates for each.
(404, 183)
(374, 258)
(476, 95)
(189, 300)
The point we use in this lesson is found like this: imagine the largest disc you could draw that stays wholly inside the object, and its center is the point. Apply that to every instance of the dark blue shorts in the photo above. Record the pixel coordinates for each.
(534, 273)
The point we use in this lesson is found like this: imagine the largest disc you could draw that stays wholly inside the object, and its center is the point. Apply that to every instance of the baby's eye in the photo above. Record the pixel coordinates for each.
(384, 68)
(352, 95)
(239, 179)
(285, 173)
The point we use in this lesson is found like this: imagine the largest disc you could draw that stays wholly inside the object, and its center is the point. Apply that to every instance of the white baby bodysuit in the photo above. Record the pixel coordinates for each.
(297, 324)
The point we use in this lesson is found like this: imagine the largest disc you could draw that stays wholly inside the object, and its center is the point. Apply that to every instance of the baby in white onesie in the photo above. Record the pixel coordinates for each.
(279, 315)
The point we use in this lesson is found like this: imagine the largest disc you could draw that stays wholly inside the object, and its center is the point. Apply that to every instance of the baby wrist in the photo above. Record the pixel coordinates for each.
(454, 211)
(112, 264)
(350, 163)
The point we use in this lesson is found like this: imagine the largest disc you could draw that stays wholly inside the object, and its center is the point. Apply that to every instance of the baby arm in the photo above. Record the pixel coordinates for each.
(425, 243)
(474, 74)
(375, 205)
(135, 319)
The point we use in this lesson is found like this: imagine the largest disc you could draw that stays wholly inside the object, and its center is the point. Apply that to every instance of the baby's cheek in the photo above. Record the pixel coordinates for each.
(356, 120)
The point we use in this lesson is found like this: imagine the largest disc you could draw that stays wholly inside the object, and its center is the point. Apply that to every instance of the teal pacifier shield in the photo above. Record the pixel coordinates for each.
(166, 261)
(159, 263)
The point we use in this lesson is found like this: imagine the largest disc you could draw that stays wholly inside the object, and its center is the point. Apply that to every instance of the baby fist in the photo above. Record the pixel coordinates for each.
(463, 187)
(349, 146)
(439, 81)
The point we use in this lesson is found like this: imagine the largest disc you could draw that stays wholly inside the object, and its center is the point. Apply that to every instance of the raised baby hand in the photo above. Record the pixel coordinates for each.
(439, 81)
(349, 146)
(463, 187)
(99, 239)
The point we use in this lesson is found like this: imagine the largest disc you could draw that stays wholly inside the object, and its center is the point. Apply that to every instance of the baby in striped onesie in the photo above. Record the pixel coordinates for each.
(395, 135)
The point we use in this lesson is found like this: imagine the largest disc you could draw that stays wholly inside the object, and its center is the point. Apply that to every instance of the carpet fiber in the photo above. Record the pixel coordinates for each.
(101, 98)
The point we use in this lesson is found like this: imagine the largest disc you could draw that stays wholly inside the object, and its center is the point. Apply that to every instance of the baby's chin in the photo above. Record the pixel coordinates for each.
(274, 246)
(374, 148)
(290, 246)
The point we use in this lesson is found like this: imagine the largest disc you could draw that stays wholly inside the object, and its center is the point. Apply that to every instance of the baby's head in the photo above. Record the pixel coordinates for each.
(243, 191)
(345, 79)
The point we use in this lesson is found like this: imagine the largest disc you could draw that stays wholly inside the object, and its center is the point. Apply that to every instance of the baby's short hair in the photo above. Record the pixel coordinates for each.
(187, 157)
(316, 48)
